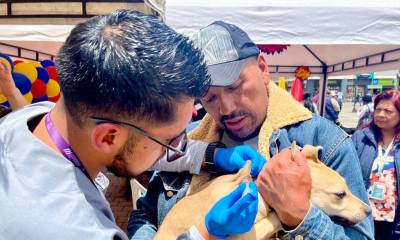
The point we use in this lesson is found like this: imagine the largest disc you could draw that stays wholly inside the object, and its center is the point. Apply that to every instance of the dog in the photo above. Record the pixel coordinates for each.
(329, 193)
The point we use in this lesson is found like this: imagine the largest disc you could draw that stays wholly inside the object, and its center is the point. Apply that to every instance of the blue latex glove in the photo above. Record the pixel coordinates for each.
(233, 159)
(233, 214)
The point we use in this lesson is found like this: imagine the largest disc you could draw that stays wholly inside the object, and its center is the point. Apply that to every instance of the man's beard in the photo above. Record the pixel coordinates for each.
(120, 163)
(241, 113)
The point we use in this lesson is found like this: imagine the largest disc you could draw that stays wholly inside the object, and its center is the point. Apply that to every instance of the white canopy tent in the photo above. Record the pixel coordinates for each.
(333, 38)
(44, 25)
(339, 37)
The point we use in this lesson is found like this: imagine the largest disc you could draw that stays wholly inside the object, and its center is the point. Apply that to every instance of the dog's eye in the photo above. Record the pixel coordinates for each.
(340, 195)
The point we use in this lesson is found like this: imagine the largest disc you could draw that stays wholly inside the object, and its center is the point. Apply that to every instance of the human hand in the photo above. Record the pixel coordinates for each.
(7, 85)
(233, 159)
(233, 214)
(285, 185)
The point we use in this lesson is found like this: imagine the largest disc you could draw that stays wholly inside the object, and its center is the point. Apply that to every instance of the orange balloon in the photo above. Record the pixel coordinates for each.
(27, 69)
(28, 97)
(35, 64)
(53, 88)
(2, 98)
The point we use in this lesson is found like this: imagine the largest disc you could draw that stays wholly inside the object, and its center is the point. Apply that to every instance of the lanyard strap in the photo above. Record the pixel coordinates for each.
(380, 149)
(382, 157)
(63, 146)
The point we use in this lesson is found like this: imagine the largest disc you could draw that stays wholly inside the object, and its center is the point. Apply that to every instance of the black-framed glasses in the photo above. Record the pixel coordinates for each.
(177, 145)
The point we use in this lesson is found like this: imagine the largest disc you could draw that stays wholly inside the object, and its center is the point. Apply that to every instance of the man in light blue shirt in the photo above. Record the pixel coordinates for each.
(128, 85)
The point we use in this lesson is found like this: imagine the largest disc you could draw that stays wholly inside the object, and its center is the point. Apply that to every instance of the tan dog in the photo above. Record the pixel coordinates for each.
(329, 192)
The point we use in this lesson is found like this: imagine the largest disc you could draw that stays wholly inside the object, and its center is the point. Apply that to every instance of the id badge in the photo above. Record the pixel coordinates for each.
(102, 182)
(378, 191)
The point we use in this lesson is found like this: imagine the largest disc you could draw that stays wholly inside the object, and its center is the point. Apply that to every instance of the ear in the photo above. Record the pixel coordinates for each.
(107, 137)
(262, 64)
(311, 152)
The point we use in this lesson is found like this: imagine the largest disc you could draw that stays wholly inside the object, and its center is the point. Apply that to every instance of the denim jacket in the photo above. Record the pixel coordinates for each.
(367, 149)
(338, 152)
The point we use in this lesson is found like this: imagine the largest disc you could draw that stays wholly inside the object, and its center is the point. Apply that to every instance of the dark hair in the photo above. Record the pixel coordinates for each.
(130, 64)
(391, 95)
(366, 99)
(4, 111)
(306, 95)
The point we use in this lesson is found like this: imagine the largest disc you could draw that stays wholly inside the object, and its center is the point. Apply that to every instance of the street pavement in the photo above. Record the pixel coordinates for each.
(347, 117)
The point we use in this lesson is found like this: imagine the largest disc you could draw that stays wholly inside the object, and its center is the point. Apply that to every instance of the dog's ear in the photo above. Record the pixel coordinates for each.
(311, 152)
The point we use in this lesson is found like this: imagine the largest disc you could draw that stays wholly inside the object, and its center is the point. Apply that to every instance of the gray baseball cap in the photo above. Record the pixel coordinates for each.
(226, 48)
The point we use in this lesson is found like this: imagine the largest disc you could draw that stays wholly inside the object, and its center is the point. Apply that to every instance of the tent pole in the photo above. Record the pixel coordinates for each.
(322, 88)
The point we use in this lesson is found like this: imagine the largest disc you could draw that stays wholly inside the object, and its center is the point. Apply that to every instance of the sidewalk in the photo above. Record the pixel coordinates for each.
(120, 204)
(347, 117)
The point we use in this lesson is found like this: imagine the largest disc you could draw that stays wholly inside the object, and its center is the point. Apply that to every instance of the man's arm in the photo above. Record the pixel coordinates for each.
(191, 161)
(224, 159)
(8, 88)
(339, 154)
(143, 220)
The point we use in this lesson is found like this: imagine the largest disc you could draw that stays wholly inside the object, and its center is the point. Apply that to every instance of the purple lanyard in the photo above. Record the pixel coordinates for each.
(63, 146)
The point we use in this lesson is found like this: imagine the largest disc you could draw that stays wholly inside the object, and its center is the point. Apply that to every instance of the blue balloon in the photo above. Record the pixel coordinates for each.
(41, 99)
(46, 63)
(5, 104)
(5, 56)
(22, 82)
(43, 74)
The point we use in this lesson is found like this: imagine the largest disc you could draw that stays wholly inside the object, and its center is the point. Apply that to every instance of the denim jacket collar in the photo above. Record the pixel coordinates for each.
(174, 181)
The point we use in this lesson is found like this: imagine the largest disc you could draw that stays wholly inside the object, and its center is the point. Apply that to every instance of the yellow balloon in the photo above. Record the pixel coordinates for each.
(53, 88)
(35, 64)
(6, 62)
(28, 97)
(2, 98)
(27, 69)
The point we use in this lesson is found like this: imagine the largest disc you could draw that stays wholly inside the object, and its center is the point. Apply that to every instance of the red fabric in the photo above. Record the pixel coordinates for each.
(297, 90)
(272, 48)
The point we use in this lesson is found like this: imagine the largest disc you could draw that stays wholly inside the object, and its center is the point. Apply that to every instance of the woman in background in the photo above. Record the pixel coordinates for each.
(378, 150)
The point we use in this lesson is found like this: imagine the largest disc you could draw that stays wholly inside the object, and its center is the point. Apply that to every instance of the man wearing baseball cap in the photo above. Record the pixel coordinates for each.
(245, 107)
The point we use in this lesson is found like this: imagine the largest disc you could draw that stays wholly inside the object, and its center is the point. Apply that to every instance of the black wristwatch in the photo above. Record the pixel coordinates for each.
(209, 156)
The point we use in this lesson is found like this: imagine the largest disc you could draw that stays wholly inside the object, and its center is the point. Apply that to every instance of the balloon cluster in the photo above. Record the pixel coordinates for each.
(37, 81)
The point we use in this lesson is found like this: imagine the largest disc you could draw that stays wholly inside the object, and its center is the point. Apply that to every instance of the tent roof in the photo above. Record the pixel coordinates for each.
(293, 21)
(345, 35)
(339, 58)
